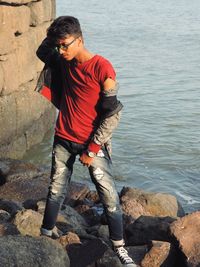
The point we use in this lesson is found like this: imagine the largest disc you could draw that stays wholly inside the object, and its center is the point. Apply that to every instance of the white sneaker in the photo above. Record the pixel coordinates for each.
(122, 254)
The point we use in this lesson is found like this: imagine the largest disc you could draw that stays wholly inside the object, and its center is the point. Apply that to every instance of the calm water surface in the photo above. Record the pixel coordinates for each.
(154, 46)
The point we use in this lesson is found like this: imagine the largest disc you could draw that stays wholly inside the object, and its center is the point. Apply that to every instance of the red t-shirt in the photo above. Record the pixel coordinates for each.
(80, 107)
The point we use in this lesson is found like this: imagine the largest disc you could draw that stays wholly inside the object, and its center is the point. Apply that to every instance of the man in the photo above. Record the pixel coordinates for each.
(83, 87)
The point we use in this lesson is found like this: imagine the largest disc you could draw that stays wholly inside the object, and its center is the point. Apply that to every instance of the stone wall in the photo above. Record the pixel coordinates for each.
(25, 116)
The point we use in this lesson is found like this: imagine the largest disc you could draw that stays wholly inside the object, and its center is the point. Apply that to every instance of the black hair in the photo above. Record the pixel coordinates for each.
(62, 26)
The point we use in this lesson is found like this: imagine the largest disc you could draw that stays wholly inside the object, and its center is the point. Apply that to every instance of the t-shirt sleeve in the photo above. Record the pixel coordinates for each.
(105, 70)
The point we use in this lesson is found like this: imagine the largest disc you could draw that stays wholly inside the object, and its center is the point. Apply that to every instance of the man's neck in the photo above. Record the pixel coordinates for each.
(84, 56)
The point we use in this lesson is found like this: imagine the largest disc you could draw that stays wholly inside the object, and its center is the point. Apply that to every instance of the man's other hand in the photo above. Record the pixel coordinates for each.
(85, 159)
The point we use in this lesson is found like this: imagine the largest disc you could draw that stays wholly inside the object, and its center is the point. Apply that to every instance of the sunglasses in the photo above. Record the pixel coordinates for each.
(65, 46)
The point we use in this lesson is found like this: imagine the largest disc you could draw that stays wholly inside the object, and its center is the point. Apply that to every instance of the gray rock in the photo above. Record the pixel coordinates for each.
(73, 217)
(31, 252)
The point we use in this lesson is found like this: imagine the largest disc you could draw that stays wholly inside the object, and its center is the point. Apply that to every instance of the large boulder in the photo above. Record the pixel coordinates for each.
(31, 252)
(148, 228)
(136, 202)
(186, 234)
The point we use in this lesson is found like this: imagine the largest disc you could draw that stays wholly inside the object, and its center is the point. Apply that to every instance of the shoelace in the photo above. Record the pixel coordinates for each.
(123, 255)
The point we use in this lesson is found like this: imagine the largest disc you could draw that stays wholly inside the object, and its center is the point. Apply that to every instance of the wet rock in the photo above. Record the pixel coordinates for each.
(186, 234)
(147, 228)
(137, 202)
(31, 252)
(161, 254)
(82, 255)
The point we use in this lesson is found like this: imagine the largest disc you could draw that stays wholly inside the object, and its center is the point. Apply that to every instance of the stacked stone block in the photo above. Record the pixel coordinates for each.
(25, 116)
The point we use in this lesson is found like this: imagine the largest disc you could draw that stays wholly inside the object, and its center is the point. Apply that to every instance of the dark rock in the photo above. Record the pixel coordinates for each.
(31, 252)
(186, 236)
(90, 215)
(4, 216)
(10, 206)
(23, 189)
(161, 254)
(93, 196)
(103, 232)
(110, 259)
(147, 228)
(73, 217)
(77, 191)
(137, 202)
(12, 170)
(30, 204)
(82, 255)
(8, 228)
(70, 220)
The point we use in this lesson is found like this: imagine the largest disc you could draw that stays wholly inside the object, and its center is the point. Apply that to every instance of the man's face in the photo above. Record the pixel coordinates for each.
(69, 47)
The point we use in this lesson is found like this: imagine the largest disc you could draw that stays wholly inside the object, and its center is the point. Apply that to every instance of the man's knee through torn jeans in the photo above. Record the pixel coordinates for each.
(63, 158)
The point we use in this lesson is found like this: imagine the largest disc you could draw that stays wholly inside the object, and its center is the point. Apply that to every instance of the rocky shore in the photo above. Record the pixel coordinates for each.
(156, 229)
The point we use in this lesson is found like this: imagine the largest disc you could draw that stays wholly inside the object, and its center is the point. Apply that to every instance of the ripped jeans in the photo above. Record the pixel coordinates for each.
(63, 157)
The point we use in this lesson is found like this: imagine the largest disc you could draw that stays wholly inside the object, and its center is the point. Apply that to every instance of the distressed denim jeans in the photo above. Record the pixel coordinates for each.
(63, 157)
